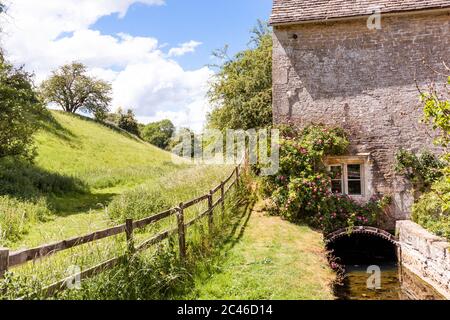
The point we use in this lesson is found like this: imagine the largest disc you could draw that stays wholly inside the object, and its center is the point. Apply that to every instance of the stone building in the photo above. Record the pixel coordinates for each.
(355, 64)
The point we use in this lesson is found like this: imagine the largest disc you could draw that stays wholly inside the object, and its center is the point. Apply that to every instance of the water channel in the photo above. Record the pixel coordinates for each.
(361, 255)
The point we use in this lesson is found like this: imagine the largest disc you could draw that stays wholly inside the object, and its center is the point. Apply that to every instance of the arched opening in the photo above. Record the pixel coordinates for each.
(365, 254)
(361, 253)
(363, 249)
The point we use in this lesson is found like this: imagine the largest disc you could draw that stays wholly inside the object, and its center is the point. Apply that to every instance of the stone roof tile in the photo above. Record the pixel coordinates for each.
(297, 11)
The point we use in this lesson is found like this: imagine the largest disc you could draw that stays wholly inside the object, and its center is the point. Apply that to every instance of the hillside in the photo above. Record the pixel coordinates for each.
(81, 168)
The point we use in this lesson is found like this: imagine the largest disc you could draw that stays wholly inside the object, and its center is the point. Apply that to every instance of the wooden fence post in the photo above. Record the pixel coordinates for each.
(181, 232)
(4, 261)
(211, 212)
(222, 195)
(129, 233)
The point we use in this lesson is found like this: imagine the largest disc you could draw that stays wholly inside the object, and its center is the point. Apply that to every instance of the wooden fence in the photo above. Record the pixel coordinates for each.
(10, 259)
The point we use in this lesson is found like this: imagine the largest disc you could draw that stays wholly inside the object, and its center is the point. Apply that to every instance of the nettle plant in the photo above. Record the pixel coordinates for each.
(301, 192)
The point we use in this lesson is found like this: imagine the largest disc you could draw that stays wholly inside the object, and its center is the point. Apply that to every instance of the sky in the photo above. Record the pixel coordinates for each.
(155, 53)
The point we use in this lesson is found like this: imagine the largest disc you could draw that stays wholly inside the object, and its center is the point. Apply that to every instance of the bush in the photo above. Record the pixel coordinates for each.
(301, 191)
(421, 170)
(432, 211)
(343, 212)
(159, 133)
(20, 110)
(16, 217)
(128, 123)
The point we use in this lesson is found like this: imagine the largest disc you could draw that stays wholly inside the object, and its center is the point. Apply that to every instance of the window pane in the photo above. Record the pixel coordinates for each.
(354, 187)
(354, 171)
(336, 172)
(336, 186)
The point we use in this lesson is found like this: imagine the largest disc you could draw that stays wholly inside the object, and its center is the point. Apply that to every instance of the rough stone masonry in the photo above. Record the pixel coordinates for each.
(426, 255)
(342, 73)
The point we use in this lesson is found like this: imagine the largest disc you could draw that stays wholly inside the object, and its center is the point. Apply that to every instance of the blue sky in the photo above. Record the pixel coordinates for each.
(212, 22)
(155, 53)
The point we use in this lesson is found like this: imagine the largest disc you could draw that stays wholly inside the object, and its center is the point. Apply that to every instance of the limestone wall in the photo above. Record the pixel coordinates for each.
(426, 255)
(342, 73)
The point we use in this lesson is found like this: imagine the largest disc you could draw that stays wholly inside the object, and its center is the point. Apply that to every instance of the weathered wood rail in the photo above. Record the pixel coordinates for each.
(10, 259)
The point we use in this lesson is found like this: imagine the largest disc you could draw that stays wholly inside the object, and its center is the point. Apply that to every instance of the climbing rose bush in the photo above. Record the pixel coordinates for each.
(301, 192)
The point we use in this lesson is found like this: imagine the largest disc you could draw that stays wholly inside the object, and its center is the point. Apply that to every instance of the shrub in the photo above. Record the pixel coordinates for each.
(422, 170)
(343, 212)
(159, 133)
(128, 122)
(20, 110)
(432, 211)
(301, 190)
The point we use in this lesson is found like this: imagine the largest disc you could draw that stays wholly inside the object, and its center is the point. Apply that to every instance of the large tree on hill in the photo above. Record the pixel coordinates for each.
(241, 91)
(20, 110)
(159, 133)
(74, 90)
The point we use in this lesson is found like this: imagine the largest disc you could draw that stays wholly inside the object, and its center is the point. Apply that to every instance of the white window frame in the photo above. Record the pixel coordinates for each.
(344, 165)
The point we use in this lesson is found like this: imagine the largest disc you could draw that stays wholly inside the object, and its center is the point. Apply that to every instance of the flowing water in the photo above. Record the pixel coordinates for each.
(396, 284)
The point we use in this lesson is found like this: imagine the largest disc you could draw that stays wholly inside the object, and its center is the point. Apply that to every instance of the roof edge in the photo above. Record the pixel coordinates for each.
(356, 17)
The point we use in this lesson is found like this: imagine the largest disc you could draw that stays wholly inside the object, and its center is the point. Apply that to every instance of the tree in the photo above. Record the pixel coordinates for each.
(74, 90)
(20, 109)
(241, 92)
(159, 133)
(128, 122)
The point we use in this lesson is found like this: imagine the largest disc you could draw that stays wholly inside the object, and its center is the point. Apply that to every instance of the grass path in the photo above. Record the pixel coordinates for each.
(270, 258)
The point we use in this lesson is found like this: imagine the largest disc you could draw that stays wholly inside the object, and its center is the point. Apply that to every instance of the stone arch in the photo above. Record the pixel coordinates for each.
(376, 232)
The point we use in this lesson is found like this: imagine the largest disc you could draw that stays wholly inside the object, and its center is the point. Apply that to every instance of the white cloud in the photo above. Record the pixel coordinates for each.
(184, 48)
(46, 34)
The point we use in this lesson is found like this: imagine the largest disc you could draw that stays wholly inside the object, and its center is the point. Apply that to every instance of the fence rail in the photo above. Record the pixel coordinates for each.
(9, 259)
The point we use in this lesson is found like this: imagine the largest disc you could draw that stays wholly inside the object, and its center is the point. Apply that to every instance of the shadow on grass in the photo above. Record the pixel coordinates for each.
(49, 124)
(65, 195)
(239, 226)
(206, 261)
(70, 204)
(24, 180)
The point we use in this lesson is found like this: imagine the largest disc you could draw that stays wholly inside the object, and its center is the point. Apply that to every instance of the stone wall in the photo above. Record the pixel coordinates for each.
(342, 73)
(426, 255)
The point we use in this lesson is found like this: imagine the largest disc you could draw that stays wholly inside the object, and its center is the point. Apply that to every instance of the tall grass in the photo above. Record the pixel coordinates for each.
(16, 217)
(157, 273)
(158, 195)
